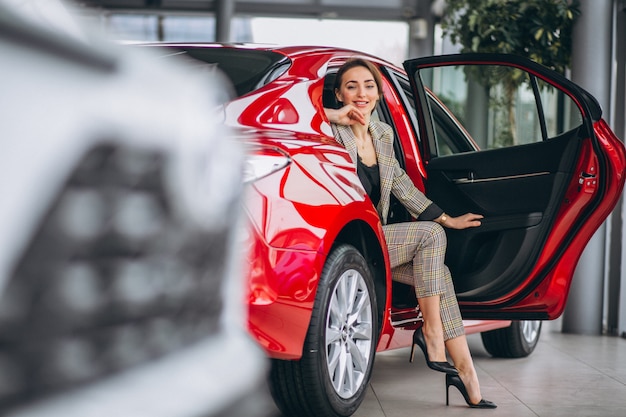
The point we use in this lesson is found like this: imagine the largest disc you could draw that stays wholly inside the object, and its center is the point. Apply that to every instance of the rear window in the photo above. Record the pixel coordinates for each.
(248, 70)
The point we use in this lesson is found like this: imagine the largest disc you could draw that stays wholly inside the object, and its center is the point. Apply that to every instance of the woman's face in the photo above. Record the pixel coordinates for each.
(358, 88)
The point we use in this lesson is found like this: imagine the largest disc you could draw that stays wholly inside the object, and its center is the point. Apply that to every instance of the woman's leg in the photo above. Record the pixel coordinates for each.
(423, 245)
(456, 342)
(433, 327)
(462, 358)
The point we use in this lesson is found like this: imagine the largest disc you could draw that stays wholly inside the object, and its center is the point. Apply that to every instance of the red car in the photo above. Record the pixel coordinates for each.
(492, 134)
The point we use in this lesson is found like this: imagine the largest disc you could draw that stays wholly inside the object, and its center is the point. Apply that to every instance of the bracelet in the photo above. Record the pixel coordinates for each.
(444, 218)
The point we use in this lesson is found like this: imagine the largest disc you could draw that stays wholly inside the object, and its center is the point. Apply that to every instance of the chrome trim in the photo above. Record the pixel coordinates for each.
(510, 177)
(410, 320)
(404, 322)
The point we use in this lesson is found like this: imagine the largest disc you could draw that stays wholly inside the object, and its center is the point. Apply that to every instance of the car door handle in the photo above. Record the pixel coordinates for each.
(469, 178)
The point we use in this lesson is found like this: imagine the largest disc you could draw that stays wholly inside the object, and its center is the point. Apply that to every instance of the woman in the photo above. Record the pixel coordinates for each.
(416, 249)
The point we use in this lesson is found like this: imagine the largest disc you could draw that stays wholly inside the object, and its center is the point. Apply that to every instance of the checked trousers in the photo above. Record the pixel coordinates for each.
(417, 251)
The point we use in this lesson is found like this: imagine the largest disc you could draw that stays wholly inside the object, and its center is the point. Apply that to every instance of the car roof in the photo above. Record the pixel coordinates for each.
(293, 52)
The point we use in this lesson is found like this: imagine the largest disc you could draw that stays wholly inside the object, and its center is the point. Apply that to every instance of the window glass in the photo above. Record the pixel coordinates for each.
(498, 106)
(451, 137)
(562, 114)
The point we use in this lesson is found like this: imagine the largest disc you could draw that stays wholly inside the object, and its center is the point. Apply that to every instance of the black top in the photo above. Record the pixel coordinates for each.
(370, 178)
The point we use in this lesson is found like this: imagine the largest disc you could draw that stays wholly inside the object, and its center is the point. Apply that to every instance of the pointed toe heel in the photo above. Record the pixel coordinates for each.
(445, 366)
(455, 381)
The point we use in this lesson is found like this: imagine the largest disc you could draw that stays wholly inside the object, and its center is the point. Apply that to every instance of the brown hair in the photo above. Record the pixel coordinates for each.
(359, 62)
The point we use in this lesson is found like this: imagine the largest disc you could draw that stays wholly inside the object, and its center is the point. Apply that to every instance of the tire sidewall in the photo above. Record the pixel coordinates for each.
(528, 346)
(343, 258)
(510, 342)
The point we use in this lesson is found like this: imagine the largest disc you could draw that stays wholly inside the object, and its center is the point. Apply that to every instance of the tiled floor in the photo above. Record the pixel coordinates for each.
(567, 375)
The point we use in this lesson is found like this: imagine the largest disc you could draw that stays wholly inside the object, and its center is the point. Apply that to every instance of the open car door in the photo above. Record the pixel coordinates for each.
(510, 139)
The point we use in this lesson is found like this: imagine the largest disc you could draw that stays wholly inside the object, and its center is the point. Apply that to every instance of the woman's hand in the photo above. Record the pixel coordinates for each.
(465, 221)
(347, 115)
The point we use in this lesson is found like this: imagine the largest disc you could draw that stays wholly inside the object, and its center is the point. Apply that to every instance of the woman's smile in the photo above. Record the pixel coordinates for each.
(359, 88)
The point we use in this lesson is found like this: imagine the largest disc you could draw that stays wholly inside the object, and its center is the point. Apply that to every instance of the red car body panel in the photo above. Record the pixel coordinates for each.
(297, 213)
(291, 237)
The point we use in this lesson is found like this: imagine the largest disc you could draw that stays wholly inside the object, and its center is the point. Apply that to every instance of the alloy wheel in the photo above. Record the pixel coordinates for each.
(349, 337)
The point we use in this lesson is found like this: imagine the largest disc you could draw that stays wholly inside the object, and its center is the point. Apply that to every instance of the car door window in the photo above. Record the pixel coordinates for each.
(451, 137)
(498, 106)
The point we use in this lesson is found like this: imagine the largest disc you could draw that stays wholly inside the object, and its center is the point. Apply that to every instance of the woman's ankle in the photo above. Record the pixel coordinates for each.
(435, 343)
(470, 379)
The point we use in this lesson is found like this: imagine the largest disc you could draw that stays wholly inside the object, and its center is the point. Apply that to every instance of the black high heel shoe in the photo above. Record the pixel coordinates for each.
(446, 367)
(455, 381)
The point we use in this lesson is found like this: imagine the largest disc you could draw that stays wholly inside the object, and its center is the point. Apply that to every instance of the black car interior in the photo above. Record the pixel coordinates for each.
(519, 191)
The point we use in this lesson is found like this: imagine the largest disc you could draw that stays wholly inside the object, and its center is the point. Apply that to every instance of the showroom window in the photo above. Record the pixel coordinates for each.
(151, 28)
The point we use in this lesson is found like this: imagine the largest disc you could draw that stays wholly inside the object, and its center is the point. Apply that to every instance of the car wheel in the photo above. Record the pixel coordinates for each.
(516, 341)
(338, 355)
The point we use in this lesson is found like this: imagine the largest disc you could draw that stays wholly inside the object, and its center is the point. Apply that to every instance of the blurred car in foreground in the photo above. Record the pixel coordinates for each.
(121, 289)
(492, 134)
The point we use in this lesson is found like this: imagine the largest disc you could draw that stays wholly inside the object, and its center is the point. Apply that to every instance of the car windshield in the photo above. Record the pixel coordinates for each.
(247, 70)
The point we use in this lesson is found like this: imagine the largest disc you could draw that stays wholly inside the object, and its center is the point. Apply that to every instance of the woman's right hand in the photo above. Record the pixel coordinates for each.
(347, 115)
(463, 222)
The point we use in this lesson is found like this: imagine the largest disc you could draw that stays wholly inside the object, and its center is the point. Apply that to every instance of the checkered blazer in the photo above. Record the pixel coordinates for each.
(393, 179)
(416, 249)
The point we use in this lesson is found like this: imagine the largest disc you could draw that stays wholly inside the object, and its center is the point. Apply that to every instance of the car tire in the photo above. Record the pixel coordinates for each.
(332, 376)
(516, 341)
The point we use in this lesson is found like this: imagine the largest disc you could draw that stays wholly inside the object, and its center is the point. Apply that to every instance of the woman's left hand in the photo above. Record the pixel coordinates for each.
(464, 221)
